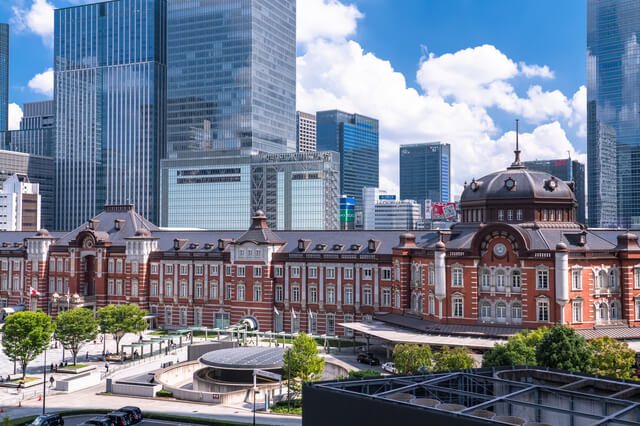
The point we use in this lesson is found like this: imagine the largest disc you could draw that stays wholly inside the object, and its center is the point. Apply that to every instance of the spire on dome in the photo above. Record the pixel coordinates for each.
(517, 164)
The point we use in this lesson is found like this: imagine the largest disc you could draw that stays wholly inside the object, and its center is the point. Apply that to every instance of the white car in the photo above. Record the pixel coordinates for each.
(388, 366)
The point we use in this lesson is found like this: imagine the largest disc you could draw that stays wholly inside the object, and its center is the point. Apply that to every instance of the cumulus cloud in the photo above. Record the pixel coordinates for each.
(42, 82)
(452, 108)
(536, 71)
(579, 111)
(37, 19)
(328, 19)
(15, 115)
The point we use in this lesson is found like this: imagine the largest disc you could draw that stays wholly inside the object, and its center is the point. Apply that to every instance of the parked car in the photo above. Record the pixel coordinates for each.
(48, 420)
(368, 358)
(120, 418)
(135, 412)
(388, 367)
(99, 421)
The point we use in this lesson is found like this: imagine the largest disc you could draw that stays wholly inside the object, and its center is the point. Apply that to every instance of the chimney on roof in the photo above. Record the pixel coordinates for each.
(407, 240)
(93, 224)
(627, 241)
(118, 224)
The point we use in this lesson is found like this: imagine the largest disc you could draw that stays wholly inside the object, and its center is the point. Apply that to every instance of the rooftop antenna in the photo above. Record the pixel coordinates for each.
(517, 164)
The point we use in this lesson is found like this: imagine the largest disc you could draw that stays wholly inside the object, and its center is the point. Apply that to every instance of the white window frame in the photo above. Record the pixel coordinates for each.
(457, 306)
(313, 272)
(183, 288)
(154, 268)
(331, 295)
(240, 293)
(240, 271)
(168, 287)
(367, 273)
(134, 287)
(576, 311)
(501, 278)
(542, 315)
(213, 270)
(348, 273)
(576, 279)
(485, 310)
(313, 294)
(457, 276)
(295, 272)
(485, 279)
(542, 279)
(331, 273)
(199, 269)
(257, 292)
(279, 293)
(367, 296)
(295, 293)
(154, 288)
(277, 271)
(386, 297)
(348, 295)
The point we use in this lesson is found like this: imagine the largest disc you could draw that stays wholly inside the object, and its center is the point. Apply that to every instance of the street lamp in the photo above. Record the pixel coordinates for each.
(44, 384)
(255, 392)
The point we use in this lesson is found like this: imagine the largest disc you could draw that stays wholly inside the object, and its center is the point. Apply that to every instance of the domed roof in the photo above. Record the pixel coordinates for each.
(517, 182)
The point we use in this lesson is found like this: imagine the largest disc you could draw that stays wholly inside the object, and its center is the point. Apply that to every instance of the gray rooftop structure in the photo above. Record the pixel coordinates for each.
(245, 358)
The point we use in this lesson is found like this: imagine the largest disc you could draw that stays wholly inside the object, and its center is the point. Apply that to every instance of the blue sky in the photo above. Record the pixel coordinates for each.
(491, 61)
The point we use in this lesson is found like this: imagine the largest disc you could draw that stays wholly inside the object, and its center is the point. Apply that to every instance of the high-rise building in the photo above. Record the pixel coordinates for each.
(40, 170)
(425, 172)
(37, 130)
(4, 76)
(356, 138)
(231, 76)
(19, 204)
(305, 131)
(397, 214)
(110, 95)
(370, 197)
(297, 191)
(569, 171)
(613, 90)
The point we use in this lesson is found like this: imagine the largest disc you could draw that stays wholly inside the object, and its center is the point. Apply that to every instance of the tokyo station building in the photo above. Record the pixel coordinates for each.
(517, 258)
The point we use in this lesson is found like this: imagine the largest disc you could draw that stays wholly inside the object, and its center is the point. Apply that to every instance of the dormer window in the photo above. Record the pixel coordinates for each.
(176, 244)
(356, 247)
(321, 246)
(338, 247)
(373, 245)
(301, 245)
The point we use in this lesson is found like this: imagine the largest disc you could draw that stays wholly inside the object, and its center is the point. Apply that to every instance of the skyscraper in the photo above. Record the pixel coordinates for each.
(613, 90)
(4, 76)
(231, 76)
(110, 77)
(356, 138)
(37, 130)
(569, 171)
(305, 131)
(425, 170)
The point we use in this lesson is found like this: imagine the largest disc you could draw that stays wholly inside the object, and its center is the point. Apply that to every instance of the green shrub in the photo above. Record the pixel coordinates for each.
(282, 407)
(164, 393)
(363, 373)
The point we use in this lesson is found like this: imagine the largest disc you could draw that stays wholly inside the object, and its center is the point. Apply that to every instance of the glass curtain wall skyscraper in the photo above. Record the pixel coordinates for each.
(231, 77)
(613, 113)
(425, 170)
(110, 94)
(356, 138)
(4, 76)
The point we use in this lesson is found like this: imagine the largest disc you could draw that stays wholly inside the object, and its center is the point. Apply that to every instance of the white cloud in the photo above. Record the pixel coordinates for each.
(37, 19)
(42, 83)
(536, 71)
(328, 19)
(579, 111)
(15, 115)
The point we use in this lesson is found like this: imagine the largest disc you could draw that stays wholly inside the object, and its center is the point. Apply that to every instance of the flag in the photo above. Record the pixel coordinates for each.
(293, 313)
(34, 292)
(275, 310)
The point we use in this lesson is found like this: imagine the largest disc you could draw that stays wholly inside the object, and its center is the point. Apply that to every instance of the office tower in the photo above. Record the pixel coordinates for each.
(231, 76)
(297, 191)
(356, 138)
(37, 130)
(305, 131)
(110, 100)
(19, 204)
(397, 214)
(4, 76)
(602, 168)
(370, 197)
(613, 90)
(347, 212)
(40, 170)
(425, 171)
(569, 171)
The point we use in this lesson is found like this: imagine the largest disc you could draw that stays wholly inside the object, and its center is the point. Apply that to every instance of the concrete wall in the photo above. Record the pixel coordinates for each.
(136, 389)
(77, 382)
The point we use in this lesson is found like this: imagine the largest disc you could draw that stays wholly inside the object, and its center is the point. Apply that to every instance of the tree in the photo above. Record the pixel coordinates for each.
(74, 328)
(120, 320)
(26, 335)
(302, 362)
(514, 352)
(611, 358)
(562, 348)
(453, 359)
(409, 358)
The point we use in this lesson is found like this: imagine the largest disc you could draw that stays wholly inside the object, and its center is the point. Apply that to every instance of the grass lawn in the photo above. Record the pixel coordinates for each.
(281, 407)
(26, 379)
(75, 367)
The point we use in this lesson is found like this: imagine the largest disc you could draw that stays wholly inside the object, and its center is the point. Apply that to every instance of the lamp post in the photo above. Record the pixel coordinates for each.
(255, 392)
(288, 381)
(44, 384)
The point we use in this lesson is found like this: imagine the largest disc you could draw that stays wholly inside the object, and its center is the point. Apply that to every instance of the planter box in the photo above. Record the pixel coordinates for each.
(27, 384)
(76, 370)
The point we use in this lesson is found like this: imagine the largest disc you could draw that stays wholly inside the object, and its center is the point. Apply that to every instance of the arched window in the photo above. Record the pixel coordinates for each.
(516, 312)
(602, 279)
(485, 279)
(432, 304)
(516, 280)
(485, 310)
(613, 279)
(500, 280)
(613, 312)
(602, 312)
(501, 311)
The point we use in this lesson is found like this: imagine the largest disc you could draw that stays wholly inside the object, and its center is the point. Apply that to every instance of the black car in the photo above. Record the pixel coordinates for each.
(368, 358)
(135, 412)
(120, 418)
(48, 420)
(100, 421)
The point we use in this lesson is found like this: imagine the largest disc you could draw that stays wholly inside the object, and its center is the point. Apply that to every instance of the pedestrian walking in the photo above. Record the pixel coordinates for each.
(51, 380)
(106, 365)
(87, 356)
(52, 367)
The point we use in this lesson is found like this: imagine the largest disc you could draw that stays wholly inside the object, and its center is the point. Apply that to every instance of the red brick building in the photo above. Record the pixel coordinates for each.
(516, 258)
